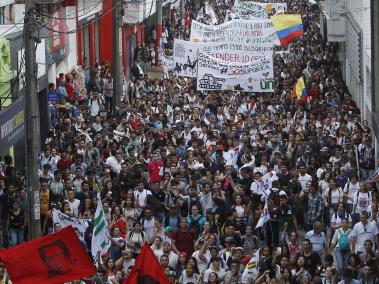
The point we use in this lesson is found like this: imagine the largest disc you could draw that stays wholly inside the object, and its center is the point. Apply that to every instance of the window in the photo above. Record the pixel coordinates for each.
(2, 15)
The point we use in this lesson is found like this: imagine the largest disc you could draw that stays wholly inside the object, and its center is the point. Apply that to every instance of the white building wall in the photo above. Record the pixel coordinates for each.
(71, 60)
(87, 8)
(19, 12)
(361, 90)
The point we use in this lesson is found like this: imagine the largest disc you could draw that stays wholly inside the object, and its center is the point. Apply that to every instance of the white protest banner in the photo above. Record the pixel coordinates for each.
(185, 58)
(167, 61)
(249, 10)
(185, 54)
(237, 53)
(215, 74)
(258, 10)
(65, 221)
(259, 32)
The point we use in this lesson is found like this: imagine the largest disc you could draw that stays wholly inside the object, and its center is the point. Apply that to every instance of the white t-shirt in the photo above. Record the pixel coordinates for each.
(184, 278)
(148, 226)
(141, 196)
(337, 220)
(336, 236)
(351, 190)
(304, 179)
(362, 201)
(363, 233)
(74, 206)
(220, 273)
(201, 264)
(335, 197)
(172, 259)
(127, 263)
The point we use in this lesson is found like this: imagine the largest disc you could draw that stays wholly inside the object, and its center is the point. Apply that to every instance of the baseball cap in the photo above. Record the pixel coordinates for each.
(168, 229)
(171, 273)
(229, 239)
(239, 248)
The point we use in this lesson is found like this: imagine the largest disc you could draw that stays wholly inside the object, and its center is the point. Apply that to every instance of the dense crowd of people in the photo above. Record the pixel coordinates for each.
(182, 170)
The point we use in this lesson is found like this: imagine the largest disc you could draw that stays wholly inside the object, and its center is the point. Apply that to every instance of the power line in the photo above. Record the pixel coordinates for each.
(78, 28)
(68, 17)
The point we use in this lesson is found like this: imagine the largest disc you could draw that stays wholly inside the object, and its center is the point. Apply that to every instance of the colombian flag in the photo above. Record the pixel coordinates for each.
(288, 27)
(301, 91)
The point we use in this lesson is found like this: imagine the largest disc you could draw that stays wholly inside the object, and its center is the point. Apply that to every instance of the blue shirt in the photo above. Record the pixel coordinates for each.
(52, 96)
(318, 241)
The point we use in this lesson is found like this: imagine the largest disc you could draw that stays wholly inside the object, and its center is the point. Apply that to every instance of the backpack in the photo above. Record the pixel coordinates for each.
(343, 240)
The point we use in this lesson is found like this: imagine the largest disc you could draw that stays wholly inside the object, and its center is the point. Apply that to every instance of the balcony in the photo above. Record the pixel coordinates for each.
(333, 19)
(135, 12)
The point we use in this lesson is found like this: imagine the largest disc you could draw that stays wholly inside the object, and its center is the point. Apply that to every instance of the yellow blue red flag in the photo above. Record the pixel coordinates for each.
(288, 27)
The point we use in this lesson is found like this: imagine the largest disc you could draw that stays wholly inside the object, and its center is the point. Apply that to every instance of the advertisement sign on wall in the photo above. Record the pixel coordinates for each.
(11, 125)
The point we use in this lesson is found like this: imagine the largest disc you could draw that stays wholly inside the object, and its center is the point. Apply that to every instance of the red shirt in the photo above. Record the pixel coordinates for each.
(70, 90)
(184, 241)
(122, 225)
(136, 124)
(154, 168)
(64, 164)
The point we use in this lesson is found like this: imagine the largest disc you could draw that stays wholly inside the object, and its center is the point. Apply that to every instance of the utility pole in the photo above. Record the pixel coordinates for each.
(32, 120)
(117, 54)
(182, 12)
(158, 31)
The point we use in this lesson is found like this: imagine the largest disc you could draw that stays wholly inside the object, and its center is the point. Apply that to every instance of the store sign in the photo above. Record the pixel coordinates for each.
(11, 125)
(57, 44)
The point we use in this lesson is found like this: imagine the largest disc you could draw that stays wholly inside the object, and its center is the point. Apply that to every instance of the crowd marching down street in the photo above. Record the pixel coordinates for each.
(248, 162)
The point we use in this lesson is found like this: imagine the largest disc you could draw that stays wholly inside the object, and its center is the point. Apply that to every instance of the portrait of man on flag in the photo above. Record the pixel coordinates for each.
(56, 257)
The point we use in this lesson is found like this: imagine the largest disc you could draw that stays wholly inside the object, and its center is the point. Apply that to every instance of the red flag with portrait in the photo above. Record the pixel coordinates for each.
(55, 258)
(147, 269)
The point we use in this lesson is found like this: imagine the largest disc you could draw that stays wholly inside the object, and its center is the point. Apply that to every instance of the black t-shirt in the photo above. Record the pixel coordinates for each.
(284, 180)
(236, 239)
(160, 195)
(312, 261)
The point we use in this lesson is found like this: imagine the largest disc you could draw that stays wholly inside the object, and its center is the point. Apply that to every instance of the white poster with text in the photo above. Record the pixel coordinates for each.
(214, 74)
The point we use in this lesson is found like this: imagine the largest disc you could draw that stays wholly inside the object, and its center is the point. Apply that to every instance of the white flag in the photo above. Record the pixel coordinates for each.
(265, 216)
(65, 221)
(100, 233)
(251, 270)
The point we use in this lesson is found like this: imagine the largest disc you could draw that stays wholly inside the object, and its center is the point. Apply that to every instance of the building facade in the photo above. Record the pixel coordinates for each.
(348, 22)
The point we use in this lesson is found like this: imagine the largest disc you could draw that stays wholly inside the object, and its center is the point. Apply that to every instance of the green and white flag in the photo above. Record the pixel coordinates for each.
(100, 233)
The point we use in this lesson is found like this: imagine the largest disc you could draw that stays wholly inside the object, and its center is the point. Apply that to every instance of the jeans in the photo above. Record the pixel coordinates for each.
(109, 104)
(53, 117)
(349, 208)
(160, 216)
(356, 218)
(341, 257)
(16, 236)
(366, 174)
